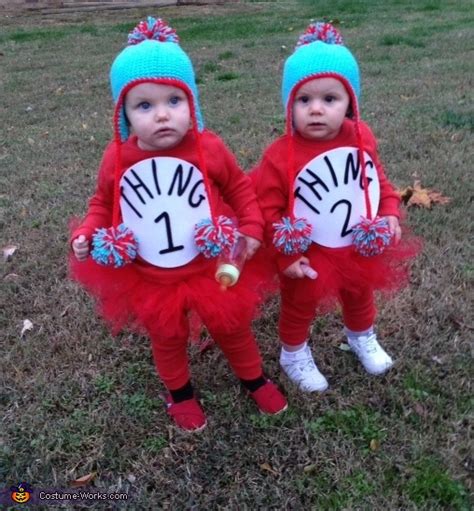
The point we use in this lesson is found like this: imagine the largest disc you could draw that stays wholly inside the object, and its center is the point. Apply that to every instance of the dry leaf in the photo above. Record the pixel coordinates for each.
(268, 468)
(8, 252)
(11, 276)
(416, 195)
(344, 347)
(374, 445)
(27, 325)
(82, 481)
(309, 468)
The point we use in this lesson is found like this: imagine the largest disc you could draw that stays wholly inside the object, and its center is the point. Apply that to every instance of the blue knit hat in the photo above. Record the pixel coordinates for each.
(152, 54)
(318, 53)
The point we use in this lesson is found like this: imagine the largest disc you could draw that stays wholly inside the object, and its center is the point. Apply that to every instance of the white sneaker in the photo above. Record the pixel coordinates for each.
(371, 355)
(301, 369)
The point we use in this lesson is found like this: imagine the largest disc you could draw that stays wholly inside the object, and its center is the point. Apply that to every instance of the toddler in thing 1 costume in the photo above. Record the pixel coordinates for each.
(166, 191)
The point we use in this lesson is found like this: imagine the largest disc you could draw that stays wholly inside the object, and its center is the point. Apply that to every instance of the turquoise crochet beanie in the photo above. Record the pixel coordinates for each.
(320, 52)
(152, 55)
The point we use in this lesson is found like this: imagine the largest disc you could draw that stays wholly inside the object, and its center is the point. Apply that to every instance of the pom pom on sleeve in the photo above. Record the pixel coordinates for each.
(155, 29)
(292, 236)
(115, 246)
(212, 238)
(371, 237)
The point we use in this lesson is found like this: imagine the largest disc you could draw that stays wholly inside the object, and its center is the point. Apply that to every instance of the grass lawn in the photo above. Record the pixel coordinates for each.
(74, 400)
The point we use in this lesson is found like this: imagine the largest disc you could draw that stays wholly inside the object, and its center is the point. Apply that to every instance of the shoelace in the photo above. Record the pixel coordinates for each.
(304, 365)
(371, 344)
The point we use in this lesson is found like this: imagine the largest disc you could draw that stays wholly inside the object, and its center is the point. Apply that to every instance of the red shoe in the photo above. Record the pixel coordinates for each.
(187, 415)
(269, 399)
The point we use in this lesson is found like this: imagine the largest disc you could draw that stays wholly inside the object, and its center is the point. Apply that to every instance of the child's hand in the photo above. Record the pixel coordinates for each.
(395, 230)
(300, 269)
(252, 246)
(80, 247)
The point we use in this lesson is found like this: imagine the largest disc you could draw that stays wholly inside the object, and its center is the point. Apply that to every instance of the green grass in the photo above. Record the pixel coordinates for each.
(75, 400)
(430, 485)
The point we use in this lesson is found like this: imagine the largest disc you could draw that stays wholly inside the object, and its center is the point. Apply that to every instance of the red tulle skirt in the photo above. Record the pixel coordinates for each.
(130, 298)
(345, 270)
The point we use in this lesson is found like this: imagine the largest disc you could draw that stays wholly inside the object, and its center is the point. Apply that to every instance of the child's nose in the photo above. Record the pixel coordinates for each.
(316, 106)
(161, 113)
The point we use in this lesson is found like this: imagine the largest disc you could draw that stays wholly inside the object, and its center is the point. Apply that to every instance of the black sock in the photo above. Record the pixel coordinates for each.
(253, 385)
(183, 393)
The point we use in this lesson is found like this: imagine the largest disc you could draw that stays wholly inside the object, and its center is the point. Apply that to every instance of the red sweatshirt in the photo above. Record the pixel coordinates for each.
(231, 190)
(271, 176)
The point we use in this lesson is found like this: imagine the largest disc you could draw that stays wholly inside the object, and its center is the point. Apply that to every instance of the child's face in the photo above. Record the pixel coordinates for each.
(319, 108)
(158, 114)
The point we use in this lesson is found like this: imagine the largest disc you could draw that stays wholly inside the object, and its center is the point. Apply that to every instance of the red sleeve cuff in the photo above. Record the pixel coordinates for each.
(390, 207)
(283, 261)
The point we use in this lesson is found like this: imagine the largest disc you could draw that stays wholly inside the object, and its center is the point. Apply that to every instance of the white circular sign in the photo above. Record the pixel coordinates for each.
(329, 193)
(161, 200)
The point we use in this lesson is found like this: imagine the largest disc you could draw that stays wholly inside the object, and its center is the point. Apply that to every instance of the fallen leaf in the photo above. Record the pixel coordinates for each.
(82, 481)
(11, 276)
(27, 325)
(268, 468)
(8, 252)
(344, 347)
(416, 195)
(374, 445)
(309, 468)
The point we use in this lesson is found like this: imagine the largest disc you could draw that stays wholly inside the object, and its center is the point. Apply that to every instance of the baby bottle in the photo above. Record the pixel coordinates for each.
(230, 263)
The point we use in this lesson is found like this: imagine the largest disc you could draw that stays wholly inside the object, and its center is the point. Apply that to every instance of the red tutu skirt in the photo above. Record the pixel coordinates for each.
(345, 270)
(131, 298)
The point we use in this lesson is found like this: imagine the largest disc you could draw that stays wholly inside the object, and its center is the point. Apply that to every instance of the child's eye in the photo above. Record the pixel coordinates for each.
(303, 99)
(329, 98)
(144, 105)
(175, 100)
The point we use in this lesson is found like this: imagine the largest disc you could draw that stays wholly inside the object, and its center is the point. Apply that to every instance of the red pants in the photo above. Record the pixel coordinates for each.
(171, 358)
(299, 304)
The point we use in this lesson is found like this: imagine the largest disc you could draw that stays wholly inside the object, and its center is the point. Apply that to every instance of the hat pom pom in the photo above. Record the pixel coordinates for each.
(292, 236)
(114, 246)
(320, 31)
(371, 237)
(213, 237)
(155, 29)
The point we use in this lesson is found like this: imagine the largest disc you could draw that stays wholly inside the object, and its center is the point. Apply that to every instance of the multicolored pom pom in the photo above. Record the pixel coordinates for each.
(212, 238)
(371, 237)
(292, 236)
(115, 246)
(155, 29)
(320, 31)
